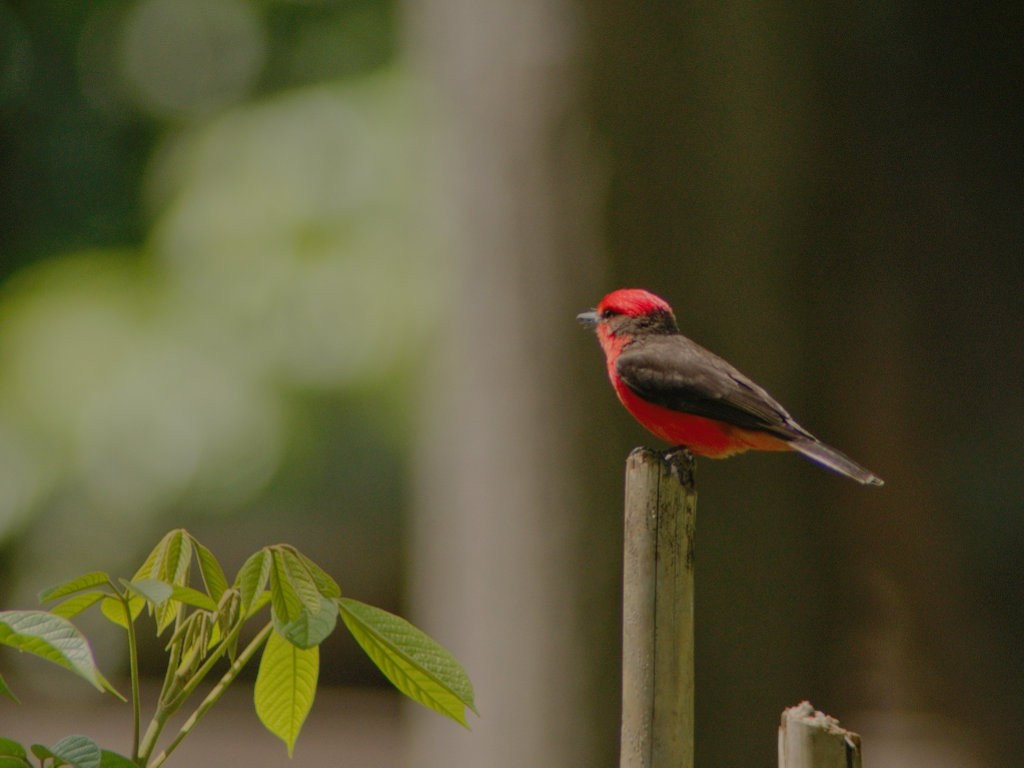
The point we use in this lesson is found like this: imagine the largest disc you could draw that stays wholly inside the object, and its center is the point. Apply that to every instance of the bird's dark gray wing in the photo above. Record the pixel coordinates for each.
(674, 372)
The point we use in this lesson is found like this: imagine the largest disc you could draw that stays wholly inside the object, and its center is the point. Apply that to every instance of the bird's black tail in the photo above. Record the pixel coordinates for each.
(829, 457)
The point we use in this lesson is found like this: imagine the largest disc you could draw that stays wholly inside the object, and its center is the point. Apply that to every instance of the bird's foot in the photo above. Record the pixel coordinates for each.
(681, 464)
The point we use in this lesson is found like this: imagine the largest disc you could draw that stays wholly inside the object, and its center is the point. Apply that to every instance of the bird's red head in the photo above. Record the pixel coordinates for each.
(632, 302)
(627, 313)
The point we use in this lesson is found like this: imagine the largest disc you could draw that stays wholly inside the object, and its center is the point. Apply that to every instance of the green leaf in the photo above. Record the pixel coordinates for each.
(109, 688)
(285, 603)
(170, 559)
(13, 755)
(6, 691)
(76, 751)
(310, 629)
(42, 753)
(110, 759)
(194, 597)
(77, 584)
(292, 587)
(213, 575)
(169, 562)
(328, 587)
(261, 600)
(415, 664)
(76, 604)
(52, 638)
(11, 748)
(252, 579)
(192, 637)
(285, 687)
(156, 591)
(301, 614)
(159, 592)
(113, 609)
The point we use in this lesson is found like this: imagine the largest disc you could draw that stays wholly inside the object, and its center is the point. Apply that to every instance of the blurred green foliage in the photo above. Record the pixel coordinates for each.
(213, 241)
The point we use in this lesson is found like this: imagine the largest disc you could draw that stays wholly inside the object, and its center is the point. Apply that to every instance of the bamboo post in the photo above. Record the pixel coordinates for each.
(812, 739)
(657, 615)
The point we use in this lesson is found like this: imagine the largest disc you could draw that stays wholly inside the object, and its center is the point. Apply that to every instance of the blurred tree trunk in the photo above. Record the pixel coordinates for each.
(516, 558)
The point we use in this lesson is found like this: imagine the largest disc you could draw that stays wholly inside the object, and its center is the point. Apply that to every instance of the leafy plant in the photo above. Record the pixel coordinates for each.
(182, 585)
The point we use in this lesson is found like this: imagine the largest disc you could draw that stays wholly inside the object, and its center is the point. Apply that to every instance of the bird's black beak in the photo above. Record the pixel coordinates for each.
(588, 318)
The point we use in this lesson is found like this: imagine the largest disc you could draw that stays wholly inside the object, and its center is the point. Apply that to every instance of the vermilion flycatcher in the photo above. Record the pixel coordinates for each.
(691, 397)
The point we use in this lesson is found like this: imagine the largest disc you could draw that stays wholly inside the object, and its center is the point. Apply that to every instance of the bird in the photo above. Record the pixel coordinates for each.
(690, 397)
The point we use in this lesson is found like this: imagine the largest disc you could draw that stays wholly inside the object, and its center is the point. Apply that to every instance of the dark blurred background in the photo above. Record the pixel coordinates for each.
(307, 271)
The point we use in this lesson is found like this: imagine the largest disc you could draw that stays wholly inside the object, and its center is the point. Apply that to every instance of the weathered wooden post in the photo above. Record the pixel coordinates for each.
(657, 616)
(812, 739)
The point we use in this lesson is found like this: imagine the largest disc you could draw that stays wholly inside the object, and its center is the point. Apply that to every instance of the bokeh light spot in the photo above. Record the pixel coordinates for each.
(189, 57)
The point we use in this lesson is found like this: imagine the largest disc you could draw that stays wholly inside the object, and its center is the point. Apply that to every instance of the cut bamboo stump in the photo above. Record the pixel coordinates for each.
(657, 616)
(812, 739)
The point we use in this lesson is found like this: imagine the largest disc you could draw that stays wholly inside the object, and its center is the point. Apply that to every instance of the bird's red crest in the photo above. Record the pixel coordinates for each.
(633, 302)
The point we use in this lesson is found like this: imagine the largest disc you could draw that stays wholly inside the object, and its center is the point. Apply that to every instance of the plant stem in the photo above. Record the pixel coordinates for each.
(133, 664)
(163, 712)
(174, 694)
(156, 725)
(214, 695)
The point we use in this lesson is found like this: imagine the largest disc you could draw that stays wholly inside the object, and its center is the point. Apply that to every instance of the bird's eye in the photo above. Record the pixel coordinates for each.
(608, 313)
